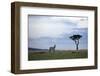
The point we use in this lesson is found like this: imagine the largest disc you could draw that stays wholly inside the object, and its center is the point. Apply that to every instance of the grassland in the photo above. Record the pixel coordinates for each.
(57, 55)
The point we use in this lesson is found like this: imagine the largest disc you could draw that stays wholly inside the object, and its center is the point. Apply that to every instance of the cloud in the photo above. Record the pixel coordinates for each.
(50, 26)
(83, 23)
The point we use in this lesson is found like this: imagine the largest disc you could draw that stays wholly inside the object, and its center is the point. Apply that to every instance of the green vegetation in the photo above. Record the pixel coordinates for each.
(57, 55)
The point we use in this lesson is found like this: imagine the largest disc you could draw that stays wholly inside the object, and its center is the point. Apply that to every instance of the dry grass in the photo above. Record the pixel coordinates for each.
(57, 55)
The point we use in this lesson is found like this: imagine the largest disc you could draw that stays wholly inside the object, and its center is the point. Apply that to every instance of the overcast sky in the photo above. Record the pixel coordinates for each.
(45, 31)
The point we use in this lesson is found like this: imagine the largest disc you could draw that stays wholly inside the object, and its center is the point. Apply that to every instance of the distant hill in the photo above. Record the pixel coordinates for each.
(37, 49)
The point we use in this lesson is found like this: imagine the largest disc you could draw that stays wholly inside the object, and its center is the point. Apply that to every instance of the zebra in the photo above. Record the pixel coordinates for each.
(52, 49)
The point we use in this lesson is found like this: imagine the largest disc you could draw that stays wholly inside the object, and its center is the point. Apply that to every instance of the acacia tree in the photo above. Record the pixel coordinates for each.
(76, 38)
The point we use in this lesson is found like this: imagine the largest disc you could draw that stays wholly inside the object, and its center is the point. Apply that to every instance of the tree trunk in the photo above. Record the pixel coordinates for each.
(77, 42)
(77, 47)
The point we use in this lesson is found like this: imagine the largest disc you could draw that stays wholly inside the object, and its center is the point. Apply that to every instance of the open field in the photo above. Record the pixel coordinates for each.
(57, 55)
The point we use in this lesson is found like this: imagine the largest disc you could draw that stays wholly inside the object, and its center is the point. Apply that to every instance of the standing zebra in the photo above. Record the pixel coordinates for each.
(52, 49)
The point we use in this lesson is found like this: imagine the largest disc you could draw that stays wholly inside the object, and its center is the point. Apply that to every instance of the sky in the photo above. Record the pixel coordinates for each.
(47, 31)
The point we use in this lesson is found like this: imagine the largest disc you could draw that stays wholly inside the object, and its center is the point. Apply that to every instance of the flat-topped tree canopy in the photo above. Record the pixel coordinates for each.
(76, 37)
